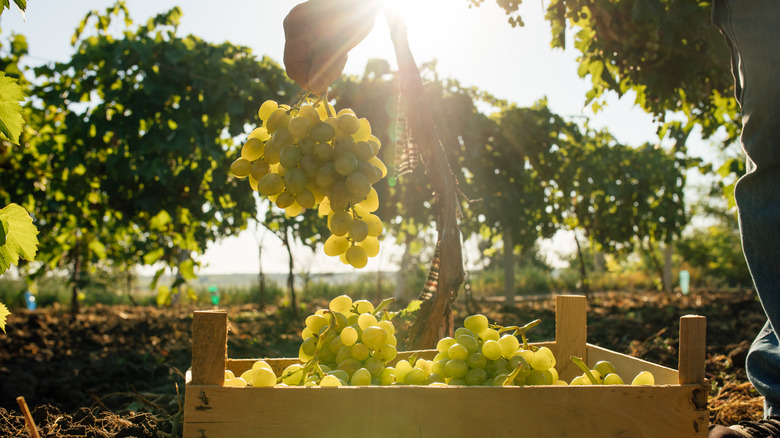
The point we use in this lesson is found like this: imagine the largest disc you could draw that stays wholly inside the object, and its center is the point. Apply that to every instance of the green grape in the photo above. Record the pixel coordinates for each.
(309, 113)
(360, 351)
(358, 231)
(476, 323)
(306, 350)
(375, 143)
(491, 349)
(604, 367)
(387, 377)
(268, 107)
(293, 210)
(323, 152)
(271, 184)
(295, 180)
(344, 353)
(490, 335)
(348, 123)
(468, 341)
(361, 377)
(335, 245)
(299, 127)
(330, 381)
(285, 199)
(290, 156)
(613, 379)
(375, 226)
(580, 380)
(445, 343)
(644, 378)
(235, 382)
(392, 340)
(260, 168)
(371, 203)
(277, 120)
(339, 374)
(261, 364)
(322, 132)
(252, 149)
(366, 320)
(415, 376)
(376, 162)
(543, 359)
(475, 376)
(363, 151)
(305, 198)
(386, 352)
(370, 171)
(374, 337)
(263, 377)
(364, 131)
(387, 326)
(350, 365)
(456, 368)
(464, 331)
(248, 376)
(335, 344)
(326, 176)
(343, 144)
(509, 345)
(438, 366)
(357, 257)
(340, 223)
(477, 360)
(536, 377)
(339, 196)
(340, 304)
(345, 164)
(349, 336)
(371, 245)
(316, 322)
(357, 183)
(293, 374)
(241, 168)
(528, 355)
(260, 133)
(458, 351)
(271, 153)
(374, 366)
(402, 367)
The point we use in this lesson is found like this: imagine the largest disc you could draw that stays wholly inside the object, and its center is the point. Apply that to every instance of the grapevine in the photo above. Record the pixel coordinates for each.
(310, 156)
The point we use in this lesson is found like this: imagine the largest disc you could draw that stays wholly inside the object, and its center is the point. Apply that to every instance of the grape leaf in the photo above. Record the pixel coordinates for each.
(10, 111)
(3, 313)
(20, 236)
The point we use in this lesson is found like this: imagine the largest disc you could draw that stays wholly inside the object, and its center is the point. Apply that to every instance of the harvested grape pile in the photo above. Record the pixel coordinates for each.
(115, 371)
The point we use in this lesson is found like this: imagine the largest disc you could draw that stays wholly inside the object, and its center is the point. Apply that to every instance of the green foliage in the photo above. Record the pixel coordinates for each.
(18, 236)
(127, 149)
(6, 4)
(10, 111)
(716, 254)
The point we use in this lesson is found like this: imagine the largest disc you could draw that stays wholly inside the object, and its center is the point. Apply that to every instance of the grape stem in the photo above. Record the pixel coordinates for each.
(581, 364)
(511, 377)
(382, 305)
(518, 330)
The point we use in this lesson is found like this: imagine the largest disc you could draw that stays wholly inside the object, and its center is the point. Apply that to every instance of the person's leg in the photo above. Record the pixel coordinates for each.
(752, 28)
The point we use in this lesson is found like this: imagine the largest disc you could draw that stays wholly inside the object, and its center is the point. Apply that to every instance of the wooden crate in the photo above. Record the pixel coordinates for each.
(676, 406)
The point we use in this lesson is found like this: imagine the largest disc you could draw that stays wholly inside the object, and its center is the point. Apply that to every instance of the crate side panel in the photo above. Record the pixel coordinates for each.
(446, 412)
(628, 366)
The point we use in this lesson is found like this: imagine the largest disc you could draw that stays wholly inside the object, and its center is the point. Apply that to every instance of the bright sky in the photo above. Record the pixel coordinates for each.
(473, 45)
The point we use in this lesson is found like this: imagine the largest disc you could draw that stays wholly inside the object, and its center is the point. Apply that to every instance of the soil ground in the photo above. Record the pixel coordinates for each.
(114, 371)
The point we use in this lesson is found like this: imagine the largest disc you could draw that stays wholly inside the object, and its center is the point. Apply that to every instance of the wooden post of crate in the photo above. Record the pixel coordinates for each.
(570, 334)
(693, 355)
(209, 347)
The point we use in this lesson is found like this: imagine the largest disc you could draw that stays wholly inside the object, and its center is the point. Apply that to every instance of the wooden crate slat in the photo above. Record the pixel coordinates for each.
(628, 366)
(409, 411)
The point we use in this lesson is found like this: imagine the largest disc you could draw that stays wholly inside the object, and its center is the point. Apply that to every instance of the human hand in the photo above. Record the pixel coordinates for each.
(319, 34)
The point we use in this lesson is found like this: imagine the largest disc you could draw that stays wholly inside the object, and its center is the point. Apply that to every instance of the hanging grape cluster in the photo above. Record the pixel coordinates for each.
(309, 156)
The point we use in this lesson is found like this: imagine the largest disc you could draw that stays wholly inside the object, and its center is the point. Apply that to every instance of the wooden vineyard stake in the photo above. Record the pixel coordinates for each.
(692, 357)
(434, 313)
(28, 419)
(209, 347)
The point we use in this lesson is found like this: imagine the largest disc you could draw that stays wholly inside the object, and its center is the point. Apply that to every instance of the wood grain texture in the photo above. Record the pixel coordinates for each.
(209, 347)
(570, 334)
(693, 351)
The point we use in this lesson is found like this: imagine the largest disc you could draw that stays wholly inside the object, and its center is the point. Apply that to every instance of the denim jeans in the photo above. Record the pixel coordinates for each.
(752, 30)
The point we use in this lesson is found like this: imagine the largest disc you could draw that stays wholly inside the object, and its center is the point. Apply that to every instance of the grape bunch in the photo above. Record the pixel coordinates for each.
(310, 156)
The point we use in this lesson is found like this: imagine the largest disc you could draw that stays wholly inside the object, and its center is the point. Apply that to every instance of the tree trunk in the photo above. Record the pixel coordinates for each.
(260, 275)
(403, 269)
(509, 270)
(76, 278)
(433, 318)
(585, 287)
(290, 275)
(649, 251)
(667, 278)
